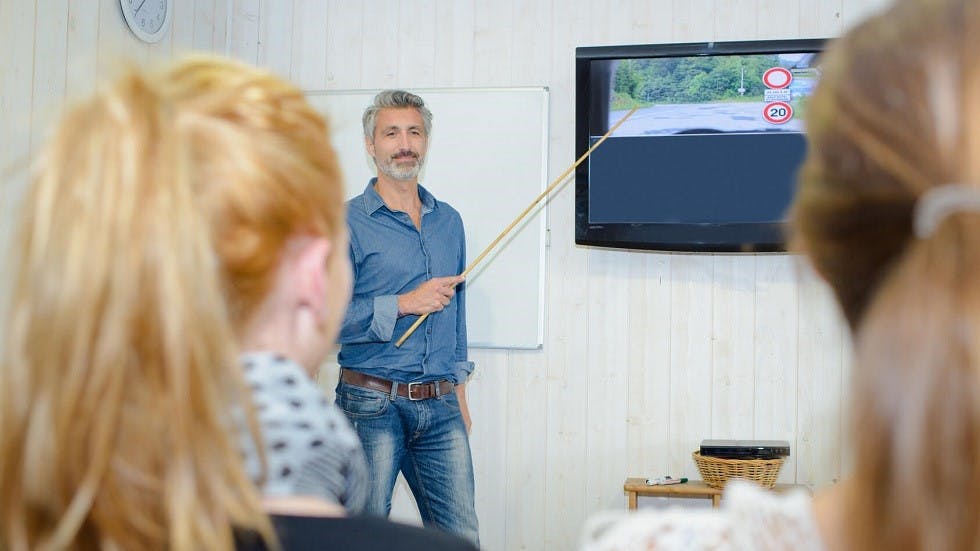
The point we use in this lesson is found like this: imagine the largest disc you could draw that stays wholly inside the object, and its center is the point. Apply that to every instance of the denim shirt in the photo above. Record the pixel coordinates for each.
(391, 257)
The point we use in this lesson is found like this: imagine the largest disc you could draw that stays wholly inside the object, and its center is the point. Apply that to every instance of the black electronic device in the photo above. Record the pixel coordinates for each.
(709, 161)
(745, 449)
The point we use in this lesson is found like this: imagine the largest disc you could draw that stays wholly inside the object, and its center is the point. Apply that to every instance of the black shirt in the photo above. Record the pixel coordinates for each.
(359, 533)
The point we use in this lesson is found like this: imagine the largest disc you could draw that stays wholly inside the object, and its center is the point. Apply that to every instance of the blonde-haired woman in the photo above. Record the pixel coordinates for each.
(176, 220)
(888, 212)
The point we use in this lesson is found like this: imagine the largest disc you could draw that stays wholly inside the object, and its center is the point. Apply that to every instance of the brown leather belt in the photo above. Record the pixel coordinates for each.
(412, 391)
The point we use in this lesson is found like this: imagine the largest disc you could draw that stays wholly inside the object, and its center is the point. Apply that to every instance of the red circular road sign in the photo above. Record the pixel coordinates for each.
(777, 77)
(777, 112)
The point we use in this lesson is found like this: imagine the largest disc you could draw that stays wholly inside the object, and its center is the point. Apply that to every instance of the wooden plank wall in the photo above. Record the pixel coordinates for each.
(54, 51)
(645, 353)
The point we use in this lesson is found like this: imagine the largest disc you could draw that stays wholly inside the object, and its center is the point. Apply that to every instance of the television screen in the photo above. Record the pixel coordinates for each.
(708, 161)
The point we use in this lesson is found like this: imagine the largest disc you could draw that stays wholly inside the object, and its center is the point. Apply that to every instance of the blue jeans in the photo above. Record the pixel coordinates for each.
(426, 440)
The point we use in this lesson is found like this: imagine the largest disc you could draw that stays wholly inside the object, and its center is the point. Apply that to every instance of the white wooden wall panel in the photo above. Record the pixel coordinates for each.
(818, 431)
(244, 33)
(689, 419)
(524, 451)
(379, 46)
(17, 32)
(520, 62)
(181, 36)
(416, 48)
(81, 49)
(493, 42)
(309, 34)
(693, 20)
(778, 19)
(51, 49)
(648, 365)
(736, 19)
(202, 27)
(220, 30)
(453, 61)
(531, 64)
(56, 51)
(606, 388)
(645, 354)
(733, 347)
(487, 406)
(207, 21)
(275, 43)
(819, 17)
(344, 43)
(776, 354)
(608, 19)
(653, 22)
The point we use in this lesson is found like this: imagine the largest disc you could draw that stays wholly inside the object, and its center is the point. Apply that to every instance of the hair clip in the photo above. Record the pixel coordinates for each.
(938, 203)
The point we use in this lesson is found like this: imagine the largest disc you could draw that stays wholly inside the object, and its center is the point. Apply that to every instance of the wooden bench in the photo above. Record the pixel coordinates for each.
(635, 487)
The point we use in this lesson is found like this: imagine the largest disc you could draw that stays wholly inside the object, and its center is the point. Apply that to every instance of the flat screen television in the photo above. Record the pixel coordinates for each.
(708, 163)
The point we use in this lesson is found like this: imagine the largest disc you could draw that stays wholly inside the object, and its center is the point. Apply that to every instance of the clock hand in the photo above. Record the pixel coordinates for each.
(138, 8)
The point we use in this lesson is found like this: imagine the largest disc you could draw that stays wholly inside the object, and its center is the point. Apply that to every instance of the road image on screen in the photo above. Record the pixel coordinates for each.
(711, 94)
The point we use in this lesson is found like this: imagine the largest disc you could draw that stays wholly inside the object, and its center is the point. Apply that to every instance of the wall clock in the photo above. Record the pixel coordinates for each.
(148, 19)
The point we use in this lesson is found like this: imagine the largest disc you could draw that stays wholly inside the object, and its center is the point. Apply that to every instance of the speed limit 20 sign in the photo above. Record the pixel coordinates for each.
(777, 112)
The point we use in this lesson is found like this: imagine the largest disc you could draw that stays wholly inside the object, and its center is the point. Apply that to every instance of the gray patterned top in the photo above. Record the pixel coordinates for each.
(310, 446)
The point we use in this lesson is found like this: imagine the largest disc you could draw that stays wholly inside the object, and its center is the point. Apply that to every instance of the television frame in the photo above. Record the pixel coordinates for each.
(745, 237)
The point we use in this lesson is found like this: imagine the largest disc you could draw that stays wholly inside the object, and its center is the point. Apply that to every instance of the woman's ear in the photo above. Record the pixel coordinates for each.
(310, 274)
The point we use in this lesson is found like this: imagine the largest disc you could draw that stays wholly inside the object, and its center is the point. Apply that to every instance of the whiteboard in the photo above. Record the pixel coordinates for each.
(487, 158)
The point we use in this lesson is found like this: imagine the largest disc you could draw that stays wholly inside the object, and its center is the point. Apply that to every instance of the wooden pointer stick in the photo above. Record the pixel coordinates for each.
(521, 216)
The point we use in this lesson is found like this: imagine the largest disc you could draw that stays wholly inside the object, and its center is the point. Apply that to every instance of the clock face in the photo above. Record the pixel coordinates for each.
(148, 19)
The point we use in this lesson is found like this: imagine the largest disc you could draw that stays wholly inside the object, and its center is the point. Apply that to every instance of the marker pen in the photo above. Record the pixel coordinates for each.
(665, 480)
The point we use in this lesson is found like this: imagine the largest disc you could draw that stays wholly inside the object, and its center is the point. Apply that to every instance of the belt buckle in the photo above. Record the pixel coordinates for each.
(412, 385)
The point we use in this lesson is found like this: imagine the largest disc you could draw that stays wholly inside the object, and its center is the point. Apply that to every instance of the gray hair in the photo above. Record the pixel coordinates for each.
(395, 99)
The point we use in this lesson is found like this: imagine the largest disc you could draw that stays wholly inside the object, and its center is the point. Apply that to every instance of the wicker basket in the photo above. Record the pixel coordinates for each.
(716, 471)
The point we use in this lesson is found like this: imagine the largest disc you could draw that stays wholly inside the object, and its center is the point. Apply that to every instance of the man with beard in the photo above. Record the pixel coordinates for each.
(408, 404)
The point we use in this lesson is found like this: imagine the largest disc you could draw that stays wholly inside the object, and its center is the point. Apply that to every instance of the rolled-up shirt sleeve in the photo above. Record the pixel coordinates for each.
(370, 319)
(463, 370)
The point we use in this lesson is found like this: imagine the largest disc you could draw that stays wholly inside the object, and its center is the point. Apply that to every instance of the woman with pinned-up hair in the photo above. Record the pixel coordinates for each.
(180, 271)
(888, 213)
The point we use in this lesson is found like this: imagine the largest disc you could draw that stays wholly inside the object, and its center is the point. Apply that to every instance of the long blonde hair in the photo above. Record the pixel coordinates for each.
(896, 114)
(148, 237)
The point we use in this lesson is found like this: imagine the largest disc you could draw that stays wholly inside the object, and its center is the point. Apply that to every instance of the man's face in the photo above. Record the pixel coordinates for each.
(399, 143)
